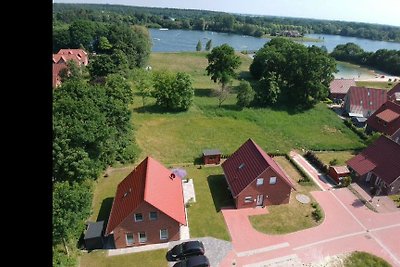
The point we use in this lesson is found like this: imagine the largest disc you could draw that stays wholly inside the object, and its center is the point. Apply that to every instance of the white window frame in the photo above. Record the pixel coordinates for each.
(136, 220)
(152, 219)
(140, 239)
(248, 199)
(260, 181)
(126, 239)
(165, 237)
(272, 180)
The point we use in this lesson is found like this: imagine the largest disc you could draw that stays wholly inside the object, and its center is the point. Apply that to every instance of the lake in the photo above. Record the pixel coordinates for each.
(186, 40)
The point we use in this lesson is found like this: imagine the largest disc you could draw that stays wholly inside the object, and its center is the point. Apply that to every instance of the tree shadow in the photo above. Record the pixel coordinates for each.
(203, 92)
(358, 203)
(105, 210)
(155, 109)
(246, 75)
(198, 161)
(219, 191)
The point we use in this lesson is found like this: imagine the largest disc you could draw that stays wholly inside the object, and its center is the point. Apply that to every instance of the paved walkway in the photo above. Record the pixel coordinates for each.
(348, 226)
(321, 180)
(188, 191)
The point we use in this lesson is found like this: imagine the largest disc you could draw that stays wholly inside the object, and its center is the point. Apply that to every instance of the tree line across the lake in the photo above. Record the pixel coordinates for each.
(218, 21)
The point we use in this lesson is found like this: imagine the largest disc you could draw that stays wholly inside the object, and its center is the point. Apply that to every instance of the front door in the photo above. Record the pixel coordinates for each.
(260, 199)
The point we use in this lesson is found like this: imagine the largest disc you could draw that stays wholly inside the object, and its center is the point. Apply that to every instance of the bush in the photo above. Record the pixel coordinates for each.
(313, 159)
(360, 133)
(306, 178)
(333, 162)
(345, 182)
(317, 212)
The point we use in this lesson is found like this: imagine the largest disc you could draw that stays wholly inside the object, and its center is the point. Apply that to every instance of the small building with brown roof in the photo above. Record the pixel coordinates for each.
(338, 88)
(378, 166)
(148, 207)
(386, 119)
(338, 172)
(255, 179)
(211, 156)
(362, 101)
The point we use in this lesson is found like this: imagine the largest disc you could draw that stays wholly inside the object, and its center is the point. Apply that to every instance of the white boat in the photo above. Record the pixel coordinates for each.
(163, 29)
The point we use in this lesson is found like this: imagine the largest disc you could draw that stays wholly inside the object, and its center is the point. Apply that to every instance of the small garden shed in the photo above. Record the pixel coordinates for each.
(94, 235)
(337, 172)
(211, 156)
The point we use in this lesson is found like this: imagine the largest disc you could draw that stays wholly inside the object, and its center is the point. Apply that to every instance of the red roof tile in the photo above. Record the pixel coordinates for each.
(246, 164)
(389, 114)
(340, 169)
(363, 100)
(381, 158)
(149, 182)
(341, 86)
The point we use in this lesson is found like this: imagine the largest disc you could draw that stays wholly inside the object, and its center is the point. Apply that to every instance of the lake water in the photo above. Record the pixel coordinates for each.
(186, 40)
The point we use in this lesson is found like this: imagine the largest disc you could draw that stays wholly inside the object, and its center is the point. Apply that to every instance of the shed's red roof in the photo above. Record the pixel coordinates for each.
(340, 169)
(365, 99)
(381, 158)
(246, 164)
(149, 182)
(389, 114)
(341, 86)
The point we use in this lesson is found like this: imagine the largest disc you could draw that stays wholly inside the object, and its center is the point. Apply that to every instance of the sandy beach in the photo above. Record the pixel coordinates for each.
(380, 78)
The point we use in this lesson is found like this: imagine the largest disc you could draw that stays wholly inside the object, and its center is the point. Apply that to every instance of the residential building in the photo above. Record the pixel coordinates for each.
(394, 94)
(362, 101)
(338, 88)
(211, 156)
(385, 119)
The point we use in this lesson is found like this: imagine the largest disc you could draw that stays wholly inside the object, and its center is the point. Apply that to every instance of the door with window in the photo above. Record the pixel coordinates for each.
(260, 200)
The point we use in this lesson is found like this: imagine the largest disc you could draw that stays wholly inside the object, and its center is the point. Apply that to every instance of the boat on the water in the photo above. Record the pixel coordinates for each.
(163, 29)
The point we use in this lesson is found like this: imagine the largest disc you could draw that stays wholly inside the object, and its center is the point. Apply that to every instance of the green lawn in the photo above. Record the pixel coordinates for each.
(290, 217)
(383, 85)
(155, 258)
(396, 199)
(364, 259)
(341, 156)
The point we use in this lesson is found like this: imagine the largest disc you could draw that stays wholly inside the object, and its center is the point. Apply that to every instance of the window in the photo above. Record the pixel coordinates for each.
(138, 217)
(142, 237)
(248, 199)
(163, 234)
(153, 215)
(260, 181)
(272, 180)
(241, 166)
(129, 239)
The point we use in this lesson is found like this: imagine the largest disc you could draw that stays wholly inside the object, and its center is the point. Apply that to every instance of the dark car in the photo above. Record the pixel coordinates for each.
(195, 261)
(185, 250)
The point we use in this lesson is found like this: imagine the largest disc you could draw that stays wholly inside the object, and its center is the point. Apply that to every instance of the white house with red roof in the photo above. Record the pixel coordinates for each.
(148, 207)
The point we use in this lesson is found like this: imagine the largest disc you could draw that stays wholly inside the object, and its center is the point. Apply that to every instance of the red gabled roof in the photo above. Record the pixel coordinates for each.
(365, 99)
(56, 73)
(246, 164)
(79, 52)
(392, 92)
(341, 86)
(389, 114)
(149, 182)
(381, 158)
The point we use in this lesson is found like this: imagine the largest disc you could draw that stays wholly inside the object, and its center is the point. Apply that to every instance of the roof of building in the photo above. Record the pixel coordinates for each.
(211, 152)
(381, 157)
(68, 51)
(341, 86)
(394, 93)
(95, 229)
(389, 114)
(149, 182)
(340, 169)
(362, 98)
(246, 164)
(56, 72)
(396, 136)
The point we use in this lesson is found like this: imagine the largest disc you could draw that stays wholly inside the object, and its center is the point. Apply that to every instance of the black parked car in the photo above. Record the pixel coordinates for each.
(185, 250)
(195, 261)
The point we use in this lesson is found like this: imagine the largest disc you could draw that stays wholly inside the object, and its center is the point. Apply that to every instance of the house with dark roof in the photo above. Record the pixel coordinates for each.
(255, 179)
(338, 88)
(378, 166)
(362, 101)
(148, 207)
(385, 119)
(394, 94)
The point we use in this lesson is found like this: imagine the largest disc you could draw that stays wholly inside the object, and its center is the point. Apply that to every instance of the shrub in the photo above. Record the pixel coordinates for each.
(345, 182)
(313, 159)
(333, 162)
(317, 212)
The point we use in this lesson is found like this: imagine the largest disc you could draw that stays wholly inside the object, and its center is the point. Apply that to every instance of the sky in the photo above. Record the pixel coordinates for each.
(371, 11)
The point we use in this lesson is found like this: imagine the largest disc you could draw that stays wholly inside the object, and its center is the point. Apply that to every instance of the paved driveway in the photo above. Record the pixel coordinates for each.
(348, 226)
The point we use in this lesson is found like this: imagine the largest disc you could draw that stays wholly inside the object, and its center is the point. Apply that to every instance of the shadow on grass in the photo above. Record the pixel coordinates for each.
(219, 191)
(198, 161)
(203, 92)
(155, 109)
(105, 210)
(358, 203)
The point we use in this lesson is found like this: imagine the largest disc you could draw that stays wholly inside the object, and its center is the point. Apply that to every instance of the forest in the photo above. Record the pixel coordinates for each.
(218, 21)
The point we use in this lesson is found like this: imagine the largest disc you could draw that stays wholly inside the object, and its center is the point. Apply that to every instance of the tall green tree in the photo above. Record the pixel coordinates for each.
(143, 81)
(222, 63)
(209, 45)
(173, 91)
(268, 90)
(198, 46)
(245, 94)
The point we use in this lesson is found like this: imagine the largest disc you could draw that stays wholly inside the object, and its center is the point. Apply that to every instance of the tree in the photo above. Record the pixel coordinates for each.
(198, 46)
(72, 71)
(302, 74)
(173, 92)
(144, 83)
(199, 24)
(268, 90)
(222, 63)
(209, 45)
(82, 32)
(101, 66)
(245, 94)
(104, 45)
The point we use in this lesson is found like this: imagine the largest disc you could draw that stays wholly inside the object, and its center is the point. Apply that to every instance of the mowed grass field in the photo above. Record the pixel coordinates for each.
(181, 137)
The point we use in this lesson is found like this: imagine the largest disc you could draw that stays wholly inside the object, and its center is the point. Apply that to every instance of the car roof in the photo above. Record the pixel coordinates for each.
(192, 244)
(201, 259)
